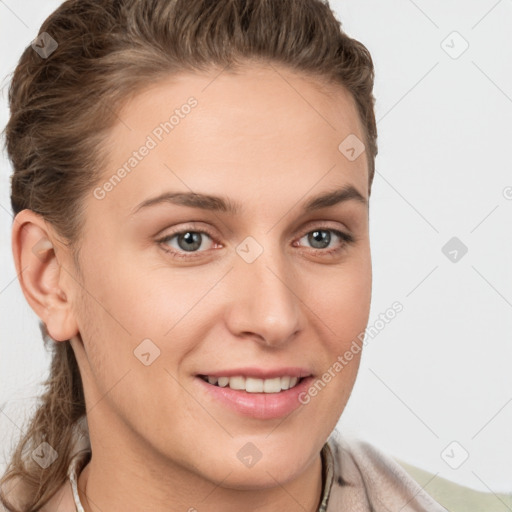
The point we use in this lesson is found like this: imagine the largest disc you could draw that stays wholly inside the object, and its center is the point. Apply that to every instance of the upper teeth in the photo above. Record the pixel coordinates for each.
(253, 385)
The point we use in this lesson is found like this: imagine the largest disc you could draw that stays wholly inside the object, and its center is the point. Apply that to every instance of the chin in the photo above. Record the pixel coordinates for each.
(252, 469)
(260, 476)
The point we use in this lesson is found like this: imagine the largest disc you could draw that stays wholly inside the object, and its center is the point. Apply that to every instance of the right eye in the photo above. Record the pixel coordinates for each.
(185, 241)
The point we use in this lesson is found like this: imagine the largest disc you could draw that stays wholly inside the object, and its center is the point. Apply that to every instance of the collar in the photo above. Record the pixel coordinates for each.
(327, 475)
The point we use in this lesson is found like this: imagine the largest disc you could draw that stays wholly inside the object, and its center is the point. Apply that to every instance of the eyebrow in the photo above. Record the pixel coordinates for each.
(224, 204)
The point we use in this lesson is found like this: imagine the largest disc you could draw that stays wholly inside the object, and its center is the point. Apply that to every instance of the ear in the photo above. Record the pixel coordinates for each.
(41, 264)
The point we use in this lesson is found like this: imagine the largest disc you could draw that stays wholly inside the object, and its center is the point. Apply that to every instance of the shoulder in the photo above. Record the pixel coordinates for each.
(61, 501)
(455, 497)
(67, 499)
(367, 475)
(365, 479)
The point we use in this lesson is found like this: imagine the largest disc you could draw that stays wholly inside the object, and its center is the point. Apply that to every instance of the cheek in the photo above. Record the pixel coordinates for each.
(343, 302)
(129, 303)
(129, 299)
(344, 310)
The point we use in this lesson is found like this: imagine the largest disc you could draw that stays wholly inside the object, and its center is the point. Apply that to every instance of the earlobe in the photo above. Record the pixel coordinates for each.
(41, 275)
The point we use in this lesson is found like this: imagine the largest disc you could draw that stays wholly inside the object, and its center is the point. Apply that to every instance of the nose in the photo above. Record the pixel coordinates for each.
(263, 304)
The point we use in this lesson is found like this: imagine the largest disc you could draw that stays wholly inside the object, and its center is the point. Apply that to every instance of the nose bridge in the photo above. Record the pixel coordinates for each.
(264, 302)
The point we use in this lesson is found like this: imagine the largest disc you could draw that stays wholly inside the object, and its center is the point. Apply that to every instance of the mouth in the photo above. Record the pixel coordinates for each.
(256, 393)
(253, 384)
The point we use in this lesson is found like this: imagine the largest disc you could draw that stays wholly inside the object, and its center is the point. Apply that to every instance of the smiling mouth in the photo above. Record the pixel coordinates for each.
(254, 385)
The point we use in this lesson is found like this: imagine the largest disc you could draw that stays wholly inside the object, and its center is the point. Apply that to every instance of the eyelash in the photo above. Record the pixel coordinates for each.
(345, 237)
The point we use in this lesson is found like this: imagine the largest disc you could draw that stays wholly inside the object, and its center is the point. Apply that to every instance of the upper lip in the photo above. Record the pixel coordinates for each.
(260, 373)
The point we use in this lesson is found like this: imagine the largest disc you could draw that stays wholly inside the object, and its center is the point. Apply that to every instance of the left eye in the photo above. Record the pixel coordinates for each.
(321, 238)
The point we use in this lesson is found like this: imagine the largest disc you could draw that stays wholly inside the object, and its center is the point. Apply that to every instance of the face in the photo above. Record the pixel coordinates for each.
(249, 283)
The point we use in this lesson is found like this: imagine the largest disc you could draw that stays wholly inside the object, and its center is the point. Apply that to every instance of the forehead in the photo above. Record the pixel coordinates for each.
(225, 95)
(208, 130)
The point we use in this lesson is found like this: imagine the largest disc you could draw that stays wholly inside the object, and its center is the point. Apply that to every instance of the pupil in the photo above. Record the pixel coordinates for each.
(190, 238)
(323, 237)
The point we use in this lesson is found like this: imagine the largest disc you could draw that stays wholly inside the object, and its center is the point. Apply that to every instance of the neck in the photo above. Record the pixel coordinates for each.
(118, 486)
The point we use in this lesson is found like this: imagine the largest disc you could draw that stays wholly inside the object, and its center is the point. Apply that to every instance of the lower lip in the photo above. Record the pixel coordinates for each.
(262, 406)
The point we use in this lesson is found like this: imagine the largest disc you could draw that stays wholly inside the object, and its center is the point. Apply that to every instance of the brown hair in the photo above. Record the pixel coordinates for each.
(63, 105)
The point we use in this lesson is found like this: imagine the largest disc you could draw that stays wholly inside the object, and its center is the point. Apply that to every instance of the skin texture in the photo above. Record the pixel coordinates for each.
(269, 139)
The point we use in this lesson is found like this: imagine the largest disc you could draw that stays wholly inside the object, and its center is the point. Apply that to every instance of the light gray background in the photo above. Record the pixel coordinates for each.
(440, 371)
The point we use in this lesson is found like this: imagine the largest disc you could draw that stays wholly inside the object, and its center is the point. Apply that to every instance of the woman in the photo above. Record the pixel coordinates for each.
(191, 188)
